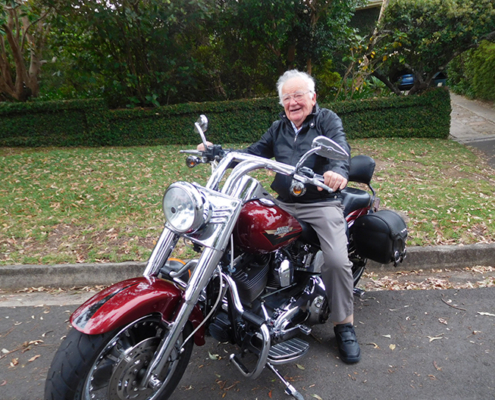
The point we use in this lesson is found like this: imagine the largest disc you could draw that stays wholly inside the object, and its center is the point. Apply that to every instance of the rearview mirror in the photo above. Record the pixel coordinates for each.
(203, 122)
(200, 126)
(327, 148)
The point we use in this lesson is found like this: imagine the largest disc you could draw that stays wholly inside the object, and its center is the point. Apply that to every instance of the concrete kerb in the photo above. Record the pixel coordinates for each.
(79, 275)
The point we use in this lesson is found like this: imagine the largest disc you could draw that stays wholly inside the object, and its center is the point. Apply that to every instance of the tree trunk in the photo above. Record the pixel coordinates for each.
(16, 30)
(387, 83)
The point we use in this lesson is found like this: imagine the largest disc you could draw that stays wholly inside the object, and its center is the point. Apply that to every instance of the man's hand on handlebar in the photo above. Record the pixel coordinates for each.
(201, 147)
(334, 181)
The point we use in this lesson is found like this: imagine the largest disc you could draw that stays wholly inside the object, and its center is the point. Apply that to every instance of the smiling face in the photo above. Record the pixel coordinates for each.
(297, 110)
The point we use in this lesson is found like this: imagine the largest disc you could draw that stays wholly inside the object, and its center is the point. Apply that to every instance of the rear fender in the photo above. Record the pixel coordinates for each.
(127, 301)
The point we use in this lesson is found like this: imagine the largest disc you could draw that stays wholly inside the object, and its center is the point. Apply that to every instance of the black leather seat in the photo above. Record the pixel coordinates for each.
(353, 198)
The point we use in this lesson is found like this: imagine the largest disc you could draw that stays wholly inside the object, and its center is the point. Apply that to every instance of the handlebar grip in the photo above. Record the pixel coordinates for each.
(321, 179)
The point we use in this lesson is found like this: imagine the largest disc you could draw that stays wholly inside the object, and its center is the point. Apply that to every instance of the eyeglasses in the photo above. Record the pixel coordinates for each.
(297, 96)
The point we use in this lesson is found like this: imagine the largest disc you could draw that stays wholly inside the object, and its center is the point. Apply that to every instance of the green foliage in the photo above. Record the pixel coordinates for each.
(327, 81)
(472, 74)
(155, 52)
(88, 123)
(425, 116)
(423, 36)
(60, 123)
(133, 52)
(364, 87)
(293, 34)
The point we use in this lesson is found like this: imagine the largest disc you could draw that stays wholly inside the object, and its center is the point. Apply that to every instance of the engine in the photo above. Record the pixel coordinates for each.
(251, 275)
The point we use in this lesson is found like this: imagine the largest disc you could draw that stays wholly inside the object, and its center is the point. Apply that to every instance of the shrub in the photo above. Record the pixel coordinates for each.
(90, 123)
(471, 73)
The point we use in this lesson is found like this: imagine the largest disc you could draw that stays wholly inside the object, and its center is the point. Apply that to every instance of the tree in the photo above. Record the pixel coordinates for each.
(296, 33)
(23, 32)
(254, 41)
(423, 36)
(138, 51)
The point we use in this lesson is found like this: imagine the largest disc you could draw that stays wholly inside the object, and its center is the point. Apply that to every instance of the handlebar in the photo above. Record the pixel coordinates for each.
(314, 179)
(215, 153)
(212, 154)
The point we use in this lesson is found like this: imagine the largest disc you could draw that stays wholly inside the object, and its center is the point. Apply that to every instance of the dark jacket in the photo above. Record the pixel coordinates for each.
(280, 142)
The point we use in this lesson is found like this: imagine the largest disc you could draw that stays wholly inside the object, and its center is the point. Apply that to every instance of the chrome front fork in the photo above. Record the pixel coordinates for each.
(199, 279)
(161, 252)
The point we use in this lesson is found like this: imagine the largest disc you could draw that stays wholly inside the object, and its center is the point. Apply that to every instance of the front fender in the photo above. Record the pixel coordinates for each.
(127, 301)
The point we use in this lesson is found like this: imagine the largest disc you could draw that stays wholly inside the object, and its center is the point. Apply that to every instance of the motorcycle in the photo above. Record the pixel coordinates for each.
(256, 282)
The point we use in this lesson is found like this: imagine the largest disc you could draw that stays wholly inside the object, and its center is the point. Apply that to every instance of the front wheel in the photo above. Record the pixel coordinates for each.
(110, 366)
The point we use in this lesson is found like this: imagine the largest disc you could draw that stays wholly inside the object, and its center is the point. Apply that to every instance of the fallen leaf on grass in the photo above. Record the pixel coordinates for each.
(213, 356)
(300, 366)
(442, 321)
(14, 362)
(392, 347)
(387, 336)
(486, 313)
(34, 358)
(316, 397)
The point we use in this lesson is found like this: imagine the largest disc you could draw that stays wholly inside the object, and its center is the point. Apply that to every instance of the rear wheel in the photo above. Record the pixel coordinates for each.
(110, 366)
(357, 271)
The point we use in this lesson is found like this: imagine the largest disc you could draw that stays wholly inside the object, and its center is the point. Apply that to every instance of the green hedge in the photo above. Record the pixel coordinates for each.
(471, 73)
(51, 123)
(90, 123)
(425, 116)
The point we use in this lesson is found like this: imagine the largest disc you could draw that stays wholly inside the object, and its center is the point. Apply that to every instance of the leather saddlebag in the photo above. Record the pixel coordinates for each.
(381, 237)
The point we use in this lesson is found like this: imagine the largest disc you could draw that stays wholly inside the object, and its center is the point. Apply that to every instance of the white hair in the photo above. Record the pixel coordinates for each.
(294, 73)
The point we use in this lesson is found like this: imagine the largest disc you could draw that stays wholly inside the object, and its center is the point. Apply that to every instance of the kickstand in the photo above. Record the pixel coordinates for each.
(290, 390)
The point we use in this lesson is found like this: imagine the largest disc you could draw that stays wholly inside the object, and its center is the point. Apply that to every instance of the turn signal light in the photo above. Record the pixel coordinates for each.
(297, 188)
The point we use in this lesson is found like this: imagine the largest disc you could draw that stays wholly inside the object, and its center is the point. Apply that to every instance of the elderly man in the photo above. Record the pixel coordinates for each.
(287, 140)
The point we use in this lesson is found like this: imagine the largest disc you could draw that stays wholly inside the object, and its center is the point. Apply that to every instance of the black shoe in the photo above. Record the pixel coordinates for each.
(347, 343)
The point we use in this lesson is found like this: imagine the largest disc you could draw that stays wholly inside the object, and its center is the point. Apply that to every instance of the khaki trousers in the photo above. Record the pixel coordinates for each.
(327, 219)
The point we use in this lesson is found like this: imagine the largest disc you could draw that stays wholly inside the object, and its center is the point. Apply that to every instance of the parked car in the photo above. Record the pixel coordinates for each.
(406, 81)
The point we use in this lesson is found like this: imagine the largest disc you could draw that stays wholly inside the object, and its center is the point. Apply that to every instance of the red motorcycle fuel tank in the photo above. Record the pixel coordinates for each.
(263, 227)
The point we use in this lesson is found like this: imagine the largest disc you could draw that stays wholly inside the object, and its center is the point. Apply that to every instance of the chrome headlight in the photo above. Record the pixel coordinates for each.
(184, 208)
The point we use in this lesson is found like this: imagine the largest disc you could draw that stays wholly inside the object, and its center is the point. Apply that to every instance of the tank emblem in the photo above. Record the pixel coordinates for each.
(280, 232)
(281, 235)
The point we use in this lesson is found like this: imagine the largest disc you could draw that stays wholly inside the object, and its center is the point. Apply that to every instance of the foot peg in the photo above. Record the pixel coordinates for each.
(359, 292)
(287, 351)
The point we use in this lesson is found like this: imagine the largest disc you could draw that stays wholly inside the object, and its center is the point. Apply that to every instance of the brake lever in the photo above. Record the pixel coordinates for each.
(311, 177)
(193, 152)
(317, 181)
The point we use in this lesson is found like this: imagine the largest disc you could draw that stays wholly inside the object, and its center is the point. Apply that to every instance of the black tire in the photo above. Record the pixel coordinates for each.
(94, 367)
(357, 272)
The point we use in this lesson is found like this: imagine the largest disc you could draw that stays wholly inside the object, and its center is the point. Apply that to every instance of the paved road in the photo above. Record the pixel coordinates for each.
(473, 124)
(415, 345)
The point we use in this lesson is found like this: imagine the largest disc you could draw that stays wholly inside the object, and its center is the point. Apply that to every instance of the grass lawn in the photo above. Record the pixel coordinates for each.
(104, 204)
